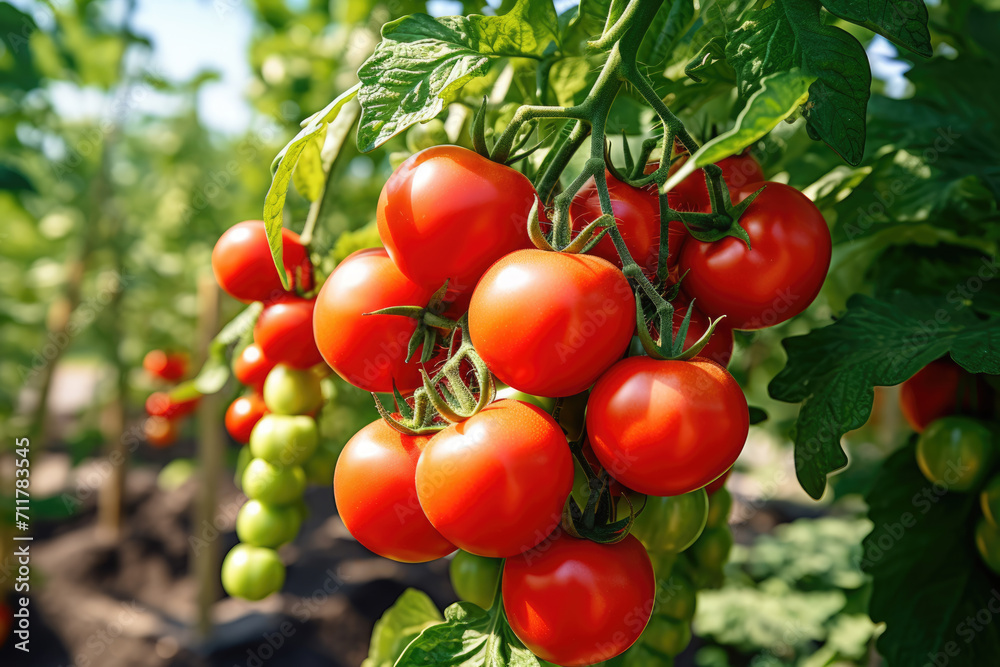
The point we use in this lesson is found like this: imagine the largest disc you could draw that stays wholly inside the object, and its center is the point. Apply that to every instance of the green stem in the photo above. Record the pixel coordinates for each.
(503, 146)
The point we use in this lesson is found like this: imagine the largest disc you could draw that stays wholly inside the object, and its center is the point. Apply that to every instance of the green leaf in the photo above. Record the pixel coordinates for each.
(777, 98)
(672, 20)
(790, 33)
(410, 615)
(903, 22)
(469, 637)
(929, 585)
(214, 374)
(14, 179)
(757, 415)
(833, 370)
(308, 174)
(422, 62)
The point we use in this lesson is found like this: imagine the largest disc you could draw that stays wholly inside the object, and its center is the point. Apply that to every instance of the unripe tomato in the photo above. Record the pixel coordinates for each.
(320, 466)
(267, 525)
(448, 213)
(160, 431)
(284, 332)
(671, 523)
(776, 279)
(369, 351)
(988, 544)
(161, 404)
(719, 347)
(273, 484)
(664, 428)
(711, 550)
(956, 452)
(989, 500)
(943, 388)
(242, 415)
(474, 578)
(251, 367)
(284, 440)
(243, 267)
(169, 367)
(548, 323)
(691, 194)
(252, 573)
(676, 597)
(290, 391)
(376, 495)
(543, 402)
(495, 484)
(577, 602)
(719, 505)
(425, 135)
(667, 635)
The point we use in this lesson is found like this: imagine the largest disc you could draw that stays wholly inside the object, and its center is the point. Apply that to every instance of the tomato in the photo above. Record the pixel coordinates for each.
(711, 550)
(448, 213)
(667, 427)
(273, 484)
(989, 500)
(943, 388)
(284, 332)
(671, 523)
(543, 402)
(290, 391)
(6, 622)
(243, 267)
(988, 544)
(284, 440)
(251, 367)
(474, 578)
(169, 367)
(957, 452)
(719, 347)
(252, 573)
(667, 635)
(376, 495)
(676, 597)
(161, 404)
(691, 194)
(160, 431)
(548, 323)
(577, 602)
(495, 484)
(320, 466)
(720, 504)
(369, 351)
(243, 414)
(267, 525)
(774, 281)
(719, 483)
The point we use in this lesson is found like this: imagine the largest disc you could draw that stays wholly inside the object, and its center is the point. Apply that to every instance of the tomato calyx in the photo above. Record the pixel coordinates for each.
(597, 520)
(430, 323)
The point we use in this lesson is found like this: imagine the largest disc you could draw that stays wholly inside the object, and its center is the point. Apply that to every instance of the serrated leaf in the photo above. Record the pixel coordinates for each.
(413, 612)
(833, 370)
(422, 62)
(308, 175)
(903, 22)
(929, 585)
(790, 33)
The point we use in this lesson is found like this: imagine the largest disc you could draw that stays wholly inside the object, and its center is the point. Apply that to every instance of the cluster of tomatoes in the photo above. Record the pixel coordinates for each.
(165, 411)
(958, 448)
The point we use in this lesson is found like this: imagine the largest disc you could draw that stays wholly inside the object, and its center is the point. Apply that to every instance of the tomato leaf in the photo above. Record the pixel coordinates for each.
(833, 370)
(791, 33)
(929, 585)
(671, 21)
(469, 637)
(903, 22)
(400, 624)
(215, 372)
(422, 62)
(308, 175)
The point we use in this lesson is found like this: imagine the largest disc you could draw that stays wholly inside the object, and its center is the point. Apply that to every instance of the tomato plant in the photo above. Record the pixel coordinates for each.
(957, 452)
(943, 388)
(691, 194)
(241, 261)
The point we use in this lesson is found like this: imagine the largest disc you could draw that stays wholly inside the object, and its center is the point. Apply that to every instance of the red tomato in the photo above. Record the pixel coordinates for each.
(774, 281)
(548, 323)
(691, 194)
(169, 367)
(943, 388)
(718, 483)
(495, 484)
(448, 213)
(373, 485)
(6, 622)
(251, 367)
(160, 404)
(720, 346)
(160, 431)
(576, 602)
(284, 332)
(243, 267)
(369, 351)
(667, 427)
(243, 414)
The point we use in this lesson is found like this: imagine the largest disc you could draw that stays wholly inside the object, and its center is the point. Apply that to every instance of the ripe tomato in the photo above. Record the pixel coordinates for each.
(369, 351)
(691, 194)
(273, 484)
(284, 440)
(251, 367)
(448, 213)
(720, 346)
(957, 452)
(667, 427)
(243, 414)
(161, 404)
(289, 391)
(169, 367)
(548, 323)
(988, 544)
(495, 484)
(160, 431)
(474, 578)
(671, 523)
(284, 332)
(774, 281)
(943, 388)
(267, 525)
(252, 573)
(989, 501)
(243, 267)
(376, 495)
(577, 602)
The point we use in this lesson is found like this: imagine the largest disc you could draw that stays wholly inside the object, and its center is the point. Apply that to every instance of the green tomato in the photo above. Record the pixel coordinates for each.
(273, 484)
(320, 466)
(263, 525)
(720, 504)
(289, 391)
(252, 573)
(667, 635)
(676, 597)
(956, 452)
(989, 499)
(543, 402)
(425, 135)
(988, 544)
(474, 578)
(672, 523)
(642, 656)
(284, 440)
(711, 551)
